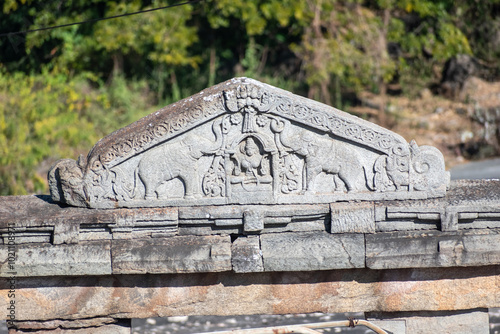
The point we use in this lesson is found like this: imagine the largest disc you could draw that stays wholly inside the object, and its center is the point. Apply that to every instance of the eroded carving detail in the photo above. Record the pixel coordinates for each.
(248, 143)
(214, 181)
(251, 166)
(177, 159)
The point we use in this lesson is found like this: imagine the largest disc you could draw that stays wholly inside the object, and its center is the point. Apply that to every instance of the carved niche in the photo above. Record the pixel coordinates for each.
(246, 142)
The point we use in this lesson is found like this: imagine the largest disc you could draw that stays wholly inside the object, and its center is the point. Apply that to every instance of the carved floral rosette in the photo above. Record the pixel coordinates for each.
(246, 142)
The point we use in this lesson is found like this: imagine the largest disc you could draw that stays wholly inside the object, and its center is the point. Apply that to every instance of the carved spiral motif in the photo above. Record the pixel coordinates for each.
(301, 112)
(368, 135)
(180, 122)
(97, 165)
(336, 125)
(285, 107)
(319, 118)
(400, 149)
(161, 129)
(195, 113)
(143, 139)
(123, 147)
(353, 131)
(385, 142)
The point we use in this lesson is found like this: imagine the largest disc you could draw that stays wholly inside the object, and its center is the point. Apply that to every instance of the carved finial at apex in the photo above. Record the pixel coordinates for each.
(246, 142)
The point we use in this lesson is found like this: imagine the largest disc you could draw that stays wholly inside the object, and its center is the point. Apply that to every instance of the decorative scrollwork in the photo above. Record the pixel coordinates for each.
(214, 181)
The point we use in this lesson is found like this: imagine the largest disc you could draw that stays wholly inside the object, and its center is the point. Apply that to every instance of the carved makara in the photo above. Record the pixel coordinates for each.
(246, 142)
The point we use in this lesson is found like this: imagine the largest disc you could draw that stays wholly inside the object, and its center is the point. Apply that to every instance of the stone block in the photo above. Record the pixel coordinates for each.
(445, 322)
(181, 254)
(352, 218)
(246, 255)
(66, 232)
(312, 251)
(122, 327)
(253, 221)
(432, 249)
(85, 258)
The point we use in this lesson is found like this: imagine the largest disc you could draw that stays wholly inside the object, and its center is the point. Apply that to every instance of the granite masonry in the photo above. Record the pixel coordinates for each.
(247, 199)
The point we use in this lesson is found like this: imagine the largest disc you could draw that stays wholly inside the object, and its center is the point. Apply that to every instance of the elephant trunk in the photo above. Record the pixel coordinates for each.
(213, 148)
(287, 140)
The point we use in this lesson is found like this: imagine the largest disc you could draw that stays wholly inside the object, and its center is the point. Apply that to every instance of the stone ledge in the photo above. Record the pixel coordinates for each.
(89, 258)
(180, 254)
(331, 291)
(54, 240)
(432, 249)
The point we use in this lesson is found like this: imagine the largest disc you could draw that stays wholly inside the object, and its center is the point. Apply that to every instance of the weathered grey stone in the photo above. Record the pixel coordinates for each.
(231, 219)
(246, 255)
(432, 249)
(299, 224)
(89, 258)
(181, 254)
(31, 235)
(253, 221)
(348, 290)
(64, 324)
(246, 142)
(210, 230)
(449, 220)
(66, 232)
(464, 322)
(308, 251)
(121, 327)
(348, 218)
(396, 225)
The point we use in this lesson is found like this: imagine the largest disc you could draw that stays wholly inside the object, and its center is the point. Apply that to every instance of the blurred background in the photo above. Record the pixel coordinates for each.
(428, 70)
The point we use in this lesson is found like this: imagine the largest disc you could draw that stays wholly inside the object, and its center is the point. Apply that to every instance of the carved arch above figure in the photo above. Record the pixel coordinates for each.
(303, 152)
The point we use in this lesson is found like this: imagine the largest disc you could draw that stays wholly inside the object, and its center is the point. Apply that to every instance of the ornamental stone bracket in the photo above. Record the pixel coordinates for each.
(245, 142)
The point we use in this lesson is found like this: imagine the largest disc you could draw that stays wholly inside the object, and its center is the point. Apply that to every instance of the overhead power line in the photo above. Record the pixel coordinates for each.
(100, 19)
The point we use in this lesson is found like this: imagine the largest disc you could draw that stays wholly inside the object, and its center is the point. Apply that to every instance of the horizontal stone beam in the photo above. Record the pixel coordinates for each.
(350, 290)
(432, 249)
(287, 251)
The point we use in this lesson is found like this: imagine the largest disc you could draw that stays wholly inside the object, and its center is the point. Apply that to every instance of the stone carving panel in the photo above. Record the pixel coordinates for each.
(246, 142)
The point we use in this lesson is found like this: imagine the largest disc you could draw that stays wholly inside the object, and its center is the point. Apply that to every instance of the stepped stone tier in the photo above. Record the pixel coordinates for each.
(246, 199)
(245, 142)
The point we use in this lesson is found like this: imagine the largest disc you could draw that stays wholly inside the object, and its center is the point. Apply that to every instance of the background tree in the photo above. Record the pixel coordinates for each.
(61, 89)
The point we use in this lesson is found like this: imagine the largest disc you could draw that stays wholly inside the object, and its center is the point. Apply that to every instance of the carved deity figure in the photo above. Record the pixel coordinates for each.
(250, 165)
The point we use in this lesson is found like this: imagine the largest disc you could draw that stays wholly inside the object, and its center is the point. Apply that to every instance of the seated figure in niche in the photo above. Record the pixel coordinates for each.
(250, 165)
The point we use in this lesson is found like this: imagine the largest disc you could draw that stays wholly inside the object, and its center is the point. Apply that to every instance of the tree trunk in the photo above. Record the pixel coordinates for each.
(117, 67)
(383, 58)
(212, 66)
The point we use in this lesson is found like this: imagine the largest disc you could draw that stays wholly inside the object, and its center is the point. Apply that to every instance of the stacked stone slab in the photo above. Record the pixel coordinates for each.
(246, 199)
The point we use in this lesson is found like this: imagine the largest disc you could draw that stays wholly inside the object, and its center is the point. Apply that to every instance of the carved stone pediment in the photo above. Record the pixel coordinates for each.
(246, 142)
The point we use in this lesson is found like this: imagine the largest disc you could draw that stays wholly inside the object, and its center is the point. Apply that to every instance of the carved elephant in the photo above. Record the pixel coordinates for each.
(323, 154)
(176, 160)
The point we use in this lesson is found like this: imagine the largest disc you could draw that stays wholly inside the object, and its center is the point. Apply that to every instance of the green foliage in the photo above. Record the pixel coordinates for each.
(62, 89)
(47, 117)
(256, 15)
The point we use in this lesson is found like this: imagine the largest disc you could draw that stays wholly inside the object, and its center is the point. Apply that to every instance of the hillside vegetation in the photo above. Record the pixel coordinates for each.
(422, 68)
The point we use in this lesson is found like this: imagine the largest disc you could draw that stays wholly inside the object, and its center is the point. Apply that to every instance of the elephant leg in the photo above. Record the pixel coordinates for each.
(191, 185)
(150, 190)
(311, 174)
(344, 176)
